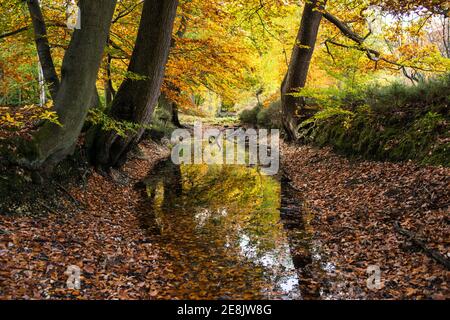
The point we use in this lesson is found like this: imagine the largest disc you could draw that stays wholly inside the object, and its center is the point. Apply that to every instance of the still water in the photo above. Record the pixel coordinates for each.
(228, 232)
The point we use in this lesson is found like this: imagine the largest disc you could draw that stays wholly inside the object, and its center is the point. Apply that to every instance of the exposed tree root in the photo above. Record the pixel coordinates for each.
(430, 252)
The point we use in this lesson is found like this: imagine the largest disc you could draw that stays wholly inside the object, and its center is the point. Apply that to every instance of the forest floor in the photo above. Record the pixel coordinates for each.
(355, 204)
(101, 235)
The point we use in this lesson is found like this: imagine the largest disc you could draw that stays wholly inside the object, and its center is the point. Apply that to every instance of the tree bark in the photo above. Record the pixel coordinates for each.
(52, 143)
(95, 100)
(136, 99)
(175, 119)
(172, 107)
(43, 47)
(109, 88)
(293, 108)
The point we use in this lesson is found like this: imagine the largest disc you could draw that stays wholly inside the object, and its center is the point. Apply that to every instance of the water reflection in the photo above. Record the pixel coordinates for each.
(221, 231)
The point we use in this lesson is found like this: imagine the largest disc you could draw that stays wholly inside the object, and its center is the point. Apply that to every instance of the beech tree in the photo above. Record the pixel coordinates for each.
(53, 142)
(299, 66)
(136, 98)
(294, 109)
(43, 47)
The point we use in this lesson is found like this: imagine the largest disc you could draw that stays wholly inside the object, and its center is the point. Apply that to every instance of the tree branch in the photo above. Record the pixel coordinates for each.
(126, 12)
(430, 252)
(372, 54)
(344, 28)
(376, 57)
(43, 47)
(12, 33)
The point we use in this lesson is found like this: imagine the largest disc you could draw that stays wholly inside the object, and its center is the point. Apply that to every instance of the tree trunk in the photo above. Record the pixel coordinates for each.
(293, 108)
(175, 119)
(172, 107)
(109, 88)
(52, 143)
(43, 47)
(136, 99)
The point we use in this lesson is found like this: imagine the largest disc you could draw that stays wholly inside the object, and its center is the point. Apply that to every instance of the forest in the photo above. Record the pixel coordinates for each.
(96, 97)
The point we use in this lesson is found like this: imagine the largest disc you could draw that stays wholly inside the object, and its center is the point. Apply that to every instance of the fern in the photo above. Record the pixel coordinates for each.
(106, 123)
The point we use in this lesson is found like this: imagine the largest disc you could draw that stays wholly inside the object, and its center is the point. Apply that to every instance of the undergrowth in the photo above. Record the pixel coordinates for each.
(395, 123)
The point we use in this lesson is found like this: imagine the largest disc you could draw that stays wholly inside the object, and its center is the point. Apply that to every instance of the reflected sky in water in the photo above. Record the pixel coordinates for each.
(221, 232)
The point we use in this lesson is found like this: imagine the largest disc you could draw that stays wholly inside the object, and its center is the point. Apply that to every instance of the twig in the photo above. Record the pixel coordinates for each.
(431, 252)
(77, 202)
(47, 207)
(372, 54)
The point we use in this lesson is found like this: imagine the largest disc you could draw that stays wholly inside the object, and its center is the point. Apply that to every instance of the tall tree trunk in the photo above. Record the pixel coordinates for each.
(52, 142)
(43, 47)
(172, 107)
(293, 108)
(42, 91)
(109, 88)
(136, 99)
(175, 119)
(95, 100)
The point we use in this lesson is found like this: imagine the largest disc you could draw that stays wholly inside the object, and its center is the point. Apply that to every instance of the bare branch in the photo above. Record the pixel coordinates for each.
(372, 54)
(12, 33)
(344, 28)
(126, 12)
(376, 56)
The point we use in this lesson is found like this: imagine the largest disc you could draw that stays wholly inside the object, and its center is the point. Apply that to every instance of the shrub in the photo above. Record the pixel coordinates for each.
(396, 123)
(263, 117)
(270, 118)
(250, 116)
(161, 125)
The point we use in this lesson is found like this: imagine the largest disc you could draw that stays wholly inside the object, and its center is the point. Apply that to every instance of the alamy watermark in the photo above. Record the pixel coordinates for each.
(374, 279)
(228, 146)
(73, 14)
(74, 277)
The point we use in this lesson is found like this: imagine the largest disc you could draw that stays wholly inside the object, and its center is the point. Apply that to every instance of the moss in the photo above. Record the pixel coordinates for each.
(420, 139)
(438, 155)
(393, 123)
